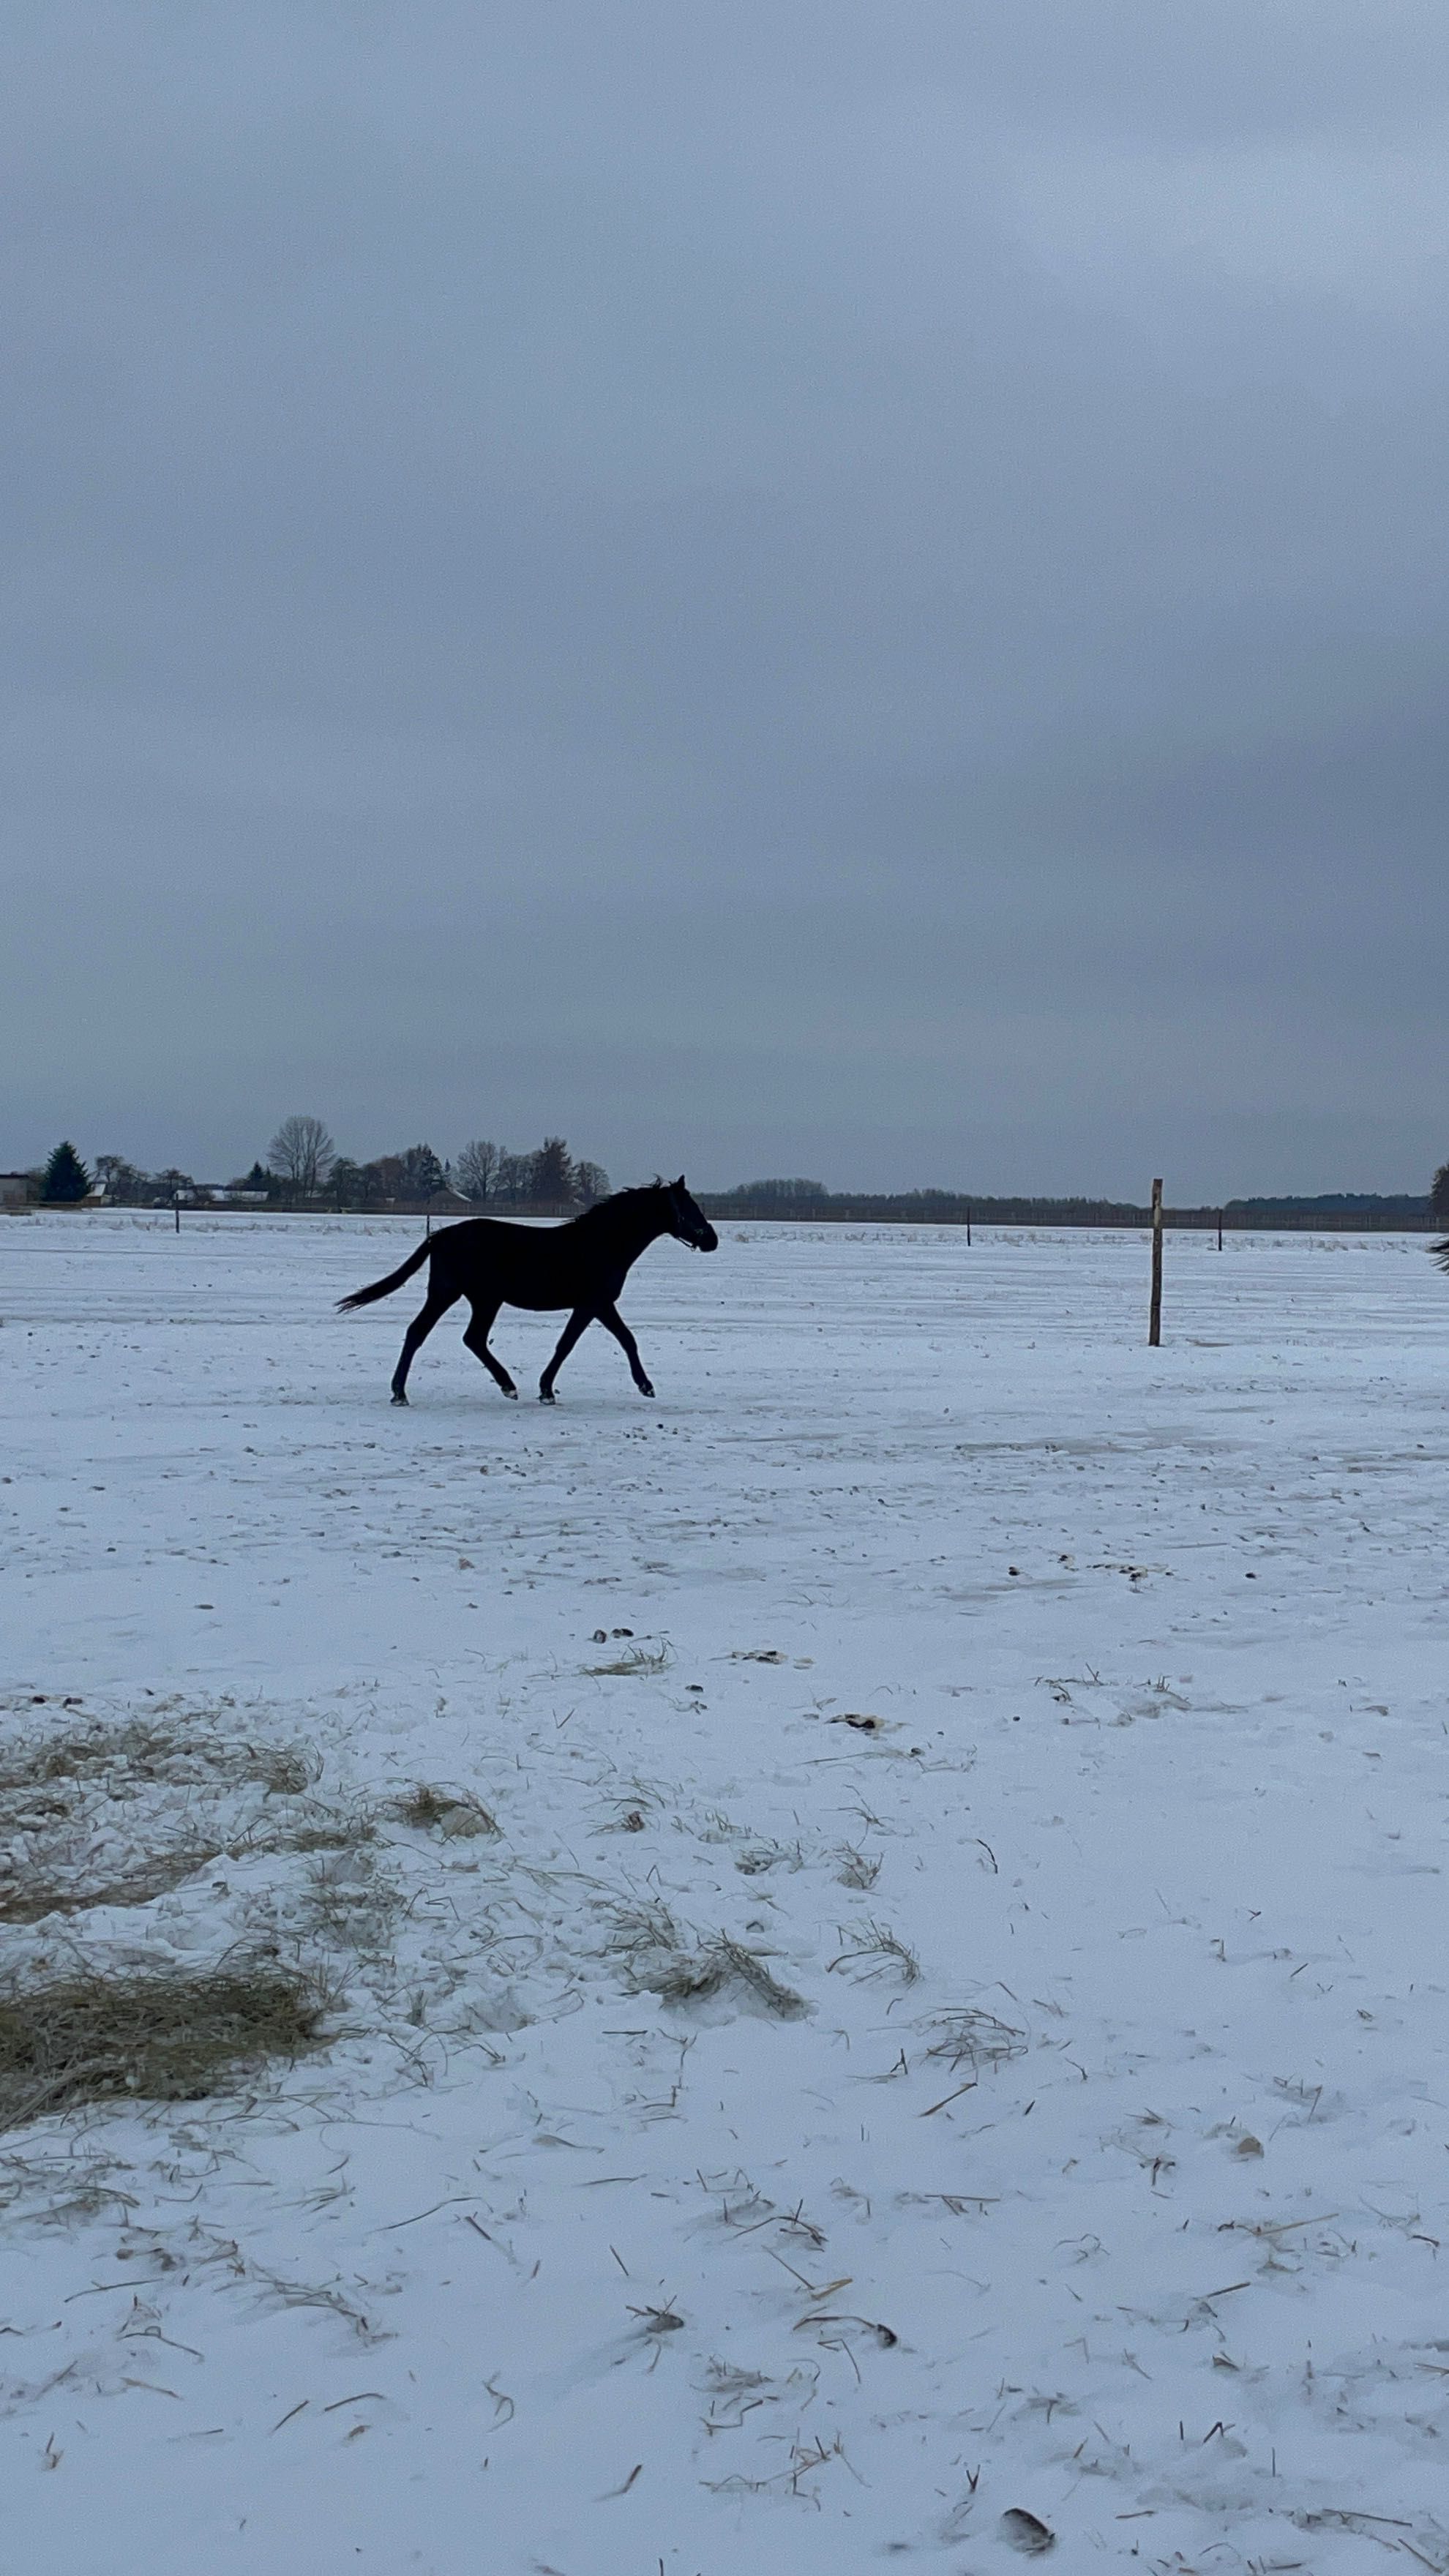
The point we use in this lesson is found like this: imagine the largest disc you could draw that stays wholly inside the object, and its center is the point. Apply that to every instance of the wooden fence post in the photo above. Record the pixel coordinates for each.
(1220, 1229)
(968, 1227)
(1154, 1322)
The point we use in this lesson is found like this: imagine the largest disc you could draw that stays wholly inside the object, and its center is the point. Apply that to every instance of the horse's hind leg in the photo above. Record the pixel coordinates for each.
(613, 1322)
(438, 1302)
(578, 1324)
(485, 1316)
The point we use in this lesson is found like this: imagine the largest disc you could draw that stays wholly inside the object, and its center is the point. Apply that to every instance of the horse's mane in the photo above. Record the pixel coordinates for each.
(617, 1199)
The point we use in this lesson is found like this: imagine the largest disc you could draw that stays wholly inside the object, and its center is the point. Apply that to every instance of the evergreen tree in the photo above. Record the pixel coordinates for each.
(66, 1177)
(551, 1180)
(424, 1172)
(1439, 1196)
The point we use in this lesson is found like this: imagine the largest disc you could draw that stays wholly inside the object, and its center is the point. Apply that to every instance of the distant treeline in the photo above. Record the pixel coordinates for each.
(809, 1201)
(305, 1170)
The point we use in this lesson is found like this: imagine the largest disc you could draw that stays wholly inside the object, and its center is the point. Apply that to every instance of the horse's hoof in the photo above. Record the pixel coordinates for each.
(399, 1398)
(512, 1394)
(544, 1395)
(647, 1390)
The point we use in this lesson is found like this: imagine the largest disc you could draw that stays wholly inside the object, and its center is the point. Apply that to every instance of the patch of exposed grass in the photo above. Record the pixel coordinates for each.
(31, 1899)
(319, 1829)
(97, 2037)
(55, 1878)
(146, 1749)
(350, 1901)
(454, 1813)
(285, 1770)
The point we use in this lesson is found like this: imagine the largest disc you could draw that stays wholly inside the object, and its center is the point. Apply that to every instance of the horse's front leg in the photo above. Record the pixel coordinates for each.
(613, 1322)
(578, 1324)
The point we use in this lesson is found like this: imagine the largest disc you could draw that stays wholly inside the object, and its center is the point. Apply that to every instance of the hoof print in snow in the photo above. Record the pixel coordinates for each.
(862, 1725)
(1022, 2531)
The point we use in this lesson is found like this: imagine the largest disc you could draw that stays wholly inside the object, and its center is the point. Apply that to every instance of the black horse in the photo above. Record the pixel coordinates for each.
(582, 1264)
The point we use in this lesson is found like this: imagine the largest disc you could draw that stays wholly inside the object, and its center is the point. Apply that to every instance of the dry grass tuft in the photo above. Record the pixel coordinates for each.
(873, 1950)
(97, 2037)
(757, 1858)
(971, 2037)
(859, 1869)
(636, 1659)
(454, 1813)
(715, 1968)
(661, 1961)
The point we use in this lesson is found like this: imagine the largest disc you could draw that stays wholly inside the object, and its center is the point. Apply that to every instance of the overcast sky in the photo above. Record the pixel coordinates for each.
(775, 586)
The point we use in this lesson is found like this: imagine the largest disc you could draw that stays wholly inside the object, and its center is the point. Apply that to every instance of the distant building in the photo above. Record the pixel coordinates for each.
(14, 1189)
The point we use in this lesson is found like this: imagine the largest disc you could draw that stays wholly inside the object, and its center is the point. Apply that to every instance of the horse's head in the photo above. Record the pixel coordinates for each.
(687, 1221)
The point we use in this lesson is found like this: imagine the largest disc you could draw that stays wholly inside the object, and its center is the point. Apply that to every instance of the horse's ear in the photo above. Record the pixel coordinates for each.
(679, 1184)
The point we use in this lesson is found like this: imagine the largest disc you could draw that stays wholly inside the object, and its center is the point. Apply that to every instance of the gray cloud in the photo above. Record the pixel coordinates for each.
(816, 588)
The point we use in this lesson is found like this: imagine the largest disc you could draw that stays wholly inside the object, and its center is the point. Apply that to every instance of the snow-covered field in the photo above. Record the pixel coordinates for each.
(787, 2142)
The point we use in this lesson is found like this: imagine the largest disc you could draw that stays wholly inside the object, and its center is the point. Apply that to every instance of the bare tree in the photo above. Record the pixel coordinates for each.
(478, 1169)
(383, 1179)
(120, 1179)
(591, 1182)
(302, 1154)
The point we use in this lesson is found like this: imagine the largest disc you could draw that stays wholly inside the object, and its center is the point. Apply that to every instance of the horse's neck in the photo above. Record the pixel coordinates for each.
(635, 1223)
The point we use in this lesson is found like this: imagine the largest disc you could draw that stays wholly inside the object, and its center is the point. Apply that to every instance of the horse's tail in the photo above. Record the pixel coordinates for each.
(1440, 1252)
(385, 1287)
